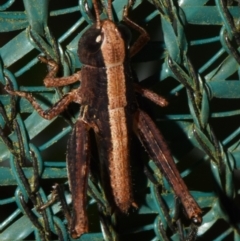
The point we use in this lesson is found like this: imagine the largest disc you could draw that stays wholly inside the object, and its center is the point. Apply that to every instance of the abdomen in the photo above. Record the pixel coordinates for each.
(110, 112)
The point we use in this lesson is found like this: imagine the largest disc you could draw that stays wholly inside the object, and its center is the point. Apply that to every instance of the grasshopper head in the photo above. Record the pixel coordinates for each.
(105, 44)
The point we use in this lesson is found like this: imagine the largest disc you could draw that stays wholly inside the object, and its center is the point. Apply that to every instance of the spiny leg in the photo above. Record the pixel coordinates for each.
(191, 235)
(156, 147)
(162, 231)
(51, 81)
(163, 206)
(78, 164)
(174, 223)
(55, 110)
(142, 39)
(57, 195)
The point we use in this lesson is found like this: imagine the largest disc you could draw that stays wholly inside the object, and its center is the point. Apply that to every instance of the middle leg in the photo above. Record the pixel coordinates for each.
(154, 97)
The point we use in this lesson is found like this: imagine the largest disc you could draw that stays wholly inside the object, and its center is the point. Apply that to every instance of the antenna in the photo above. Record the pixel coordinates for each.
(109, 10)
(95, 5)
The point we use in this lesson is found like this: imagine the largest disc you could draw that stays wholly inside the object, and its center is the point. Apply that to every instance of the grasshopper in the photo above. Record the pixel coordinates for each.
(108, 106)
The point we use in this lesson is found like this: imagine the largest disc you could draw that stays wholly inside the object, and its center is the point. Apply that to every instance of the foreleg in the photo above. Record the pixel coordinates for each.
(55, 110)
(78, 157)
(156, 147)
(51, 81)
(142, 39)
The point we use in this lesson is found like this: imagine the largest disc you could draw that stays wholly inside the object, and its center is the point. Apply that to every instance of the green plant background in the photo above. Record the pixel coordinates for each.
(192, 59)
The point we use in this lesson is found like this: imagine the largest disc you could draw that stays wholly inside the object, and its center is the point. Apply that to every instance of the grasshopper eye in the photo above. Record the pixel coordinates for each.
(89, 47)
(99, 39)
(90, 41)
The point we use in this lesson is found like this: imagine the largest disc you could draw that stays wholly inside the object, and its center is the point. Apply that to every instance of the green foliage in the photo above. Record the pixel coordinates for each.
(192, 58)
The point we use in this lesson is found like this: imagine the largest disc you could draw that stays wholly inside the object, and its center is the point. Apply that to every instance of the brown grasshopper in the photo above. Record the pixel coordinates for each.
(109, 108)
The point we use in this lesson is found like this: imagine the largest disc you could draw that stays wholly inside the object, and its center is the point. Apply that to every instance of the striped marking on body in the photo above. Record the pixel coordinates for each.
(119, 156)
